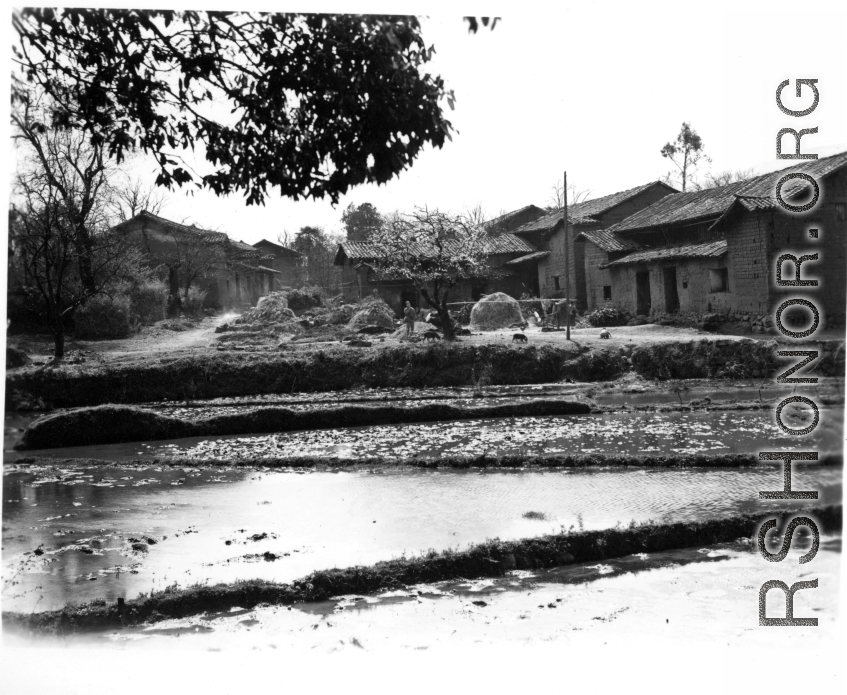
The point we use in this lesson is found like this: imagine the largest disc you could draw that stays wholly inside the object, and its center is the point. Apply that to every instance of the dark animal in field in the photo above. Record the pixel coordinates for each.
(605, 334)
(519, 338)
(462, 331)
(431, 335)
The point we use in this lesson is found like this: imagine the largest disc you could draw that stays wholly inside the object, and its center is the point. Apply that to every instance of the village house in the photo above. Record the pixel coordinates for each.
(358, 279)
(711, 251)
(232, 273)
(546, 233)
(287, 262)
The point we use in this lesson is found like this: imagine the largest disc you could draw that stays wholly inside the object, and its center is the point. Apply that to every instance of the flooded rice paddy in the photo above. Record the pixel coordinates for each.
(85, 533)
(691, 432)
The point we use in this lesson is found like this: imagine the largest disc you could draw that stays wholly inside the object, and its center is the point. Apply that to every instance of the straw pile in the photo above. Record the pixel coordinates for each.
(495, 311)
(374, 313)
(272, 308)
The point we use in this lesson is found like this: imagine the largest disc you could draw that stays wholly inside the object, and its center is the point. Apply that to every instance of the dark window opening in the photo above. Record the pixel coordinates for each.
(685, 284)
(556, 282)
(607, 291)
(719, 280)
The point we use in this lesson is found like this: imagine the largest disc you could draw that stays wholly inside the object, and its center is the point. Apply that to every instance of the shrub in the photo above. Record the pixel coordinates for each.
(607, 316)
(342, 314)
(305, 298)
(193, 302)
(148, 301)
(104, 317)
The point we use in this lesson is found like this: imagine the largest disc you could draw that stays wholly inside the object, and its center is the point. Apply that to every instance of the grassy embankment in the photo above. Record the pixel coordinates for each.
(492, 558)
(111, 424)
(115, 424)
(213, 375)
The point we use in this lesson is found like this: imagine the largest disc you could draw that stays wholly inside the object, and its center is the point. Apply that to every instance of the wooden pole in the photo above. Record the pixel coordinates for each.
(567, 260)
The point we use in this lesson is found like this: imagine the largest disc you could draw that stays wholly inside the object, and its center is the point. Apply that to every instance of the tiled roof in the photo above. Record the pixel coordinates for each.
(203, 234)
(508, 215)
(681, 207)
(529, 257)
(239, 249)
(765, 186)
(586, 211)
(507, 243)
(365, 250)
(754, 194)
(608, 241)
(278, 248)
(760, 193)
(242, 246)
(247, 268)
(709, 249)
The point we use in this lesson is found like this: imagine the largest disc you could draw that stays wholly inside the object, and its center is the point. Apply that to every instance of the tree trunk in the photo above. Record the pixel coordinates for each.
(84, 248)
(175, 302)
(446, 321)
(58, 335)
(443, 313)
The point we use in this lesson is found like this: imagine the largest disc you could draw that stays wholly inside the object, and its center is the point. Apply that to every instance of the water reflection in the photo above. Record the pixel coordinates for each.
(118, 531)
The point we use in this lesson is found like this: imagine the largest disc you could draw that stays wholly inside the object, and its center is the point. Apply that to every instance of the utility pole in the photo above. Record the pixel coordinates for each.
(567, 262)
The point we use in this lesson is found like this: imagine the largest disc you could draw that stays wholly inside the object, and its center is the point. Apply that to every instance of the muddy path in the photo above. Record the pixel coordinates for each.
(174, 335)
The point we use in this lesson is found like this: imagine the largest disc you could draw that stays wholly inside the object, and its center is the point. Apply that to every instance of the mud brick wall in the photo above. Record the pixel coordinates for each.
(596, 278)
(554, 265)
(789, 234)
(747, 244)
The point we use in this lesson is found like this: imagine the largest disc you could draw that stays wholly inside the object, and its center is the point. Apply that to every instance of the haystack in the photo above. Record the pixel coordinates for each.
(495, 311)
(374, 313)
(272, 308)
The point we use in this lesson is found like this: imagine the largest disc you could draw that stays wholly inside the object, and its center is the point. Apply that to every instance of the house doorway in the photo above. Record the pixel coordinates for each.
(477, 289)
(411, 296)
(642, 293)
(671, 295)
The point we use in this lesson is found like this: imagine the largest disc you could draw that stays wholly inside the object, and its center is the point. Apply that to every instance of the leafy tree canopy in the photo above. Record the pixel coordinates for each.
(309, 238)
(685, 152)
(433, 250)
(315, 103)
(361, 221)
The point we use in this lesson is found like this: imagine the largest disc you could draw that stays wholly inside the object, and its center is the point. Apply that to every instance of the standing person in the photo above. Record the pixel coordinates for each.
(409, 316)
(561, 310)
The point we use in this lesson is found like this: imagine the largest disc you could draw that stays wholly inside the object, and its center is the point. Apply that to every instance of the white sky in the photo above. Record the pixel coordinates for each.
(595, 89)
